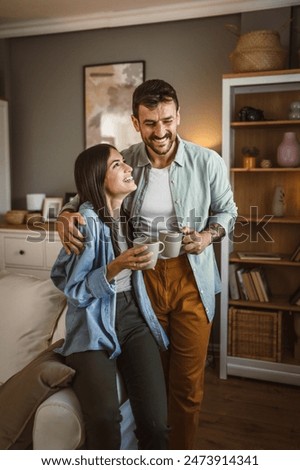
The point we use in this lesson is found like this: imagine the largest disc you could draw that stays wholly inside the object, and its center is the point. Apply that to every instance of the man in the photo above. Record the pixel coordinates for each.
(183, 187)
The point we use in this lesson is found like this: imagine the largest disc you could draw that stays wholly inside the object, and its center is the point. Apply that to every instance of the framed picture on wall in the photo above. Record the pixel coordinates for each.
(51, 208)
(108, 90)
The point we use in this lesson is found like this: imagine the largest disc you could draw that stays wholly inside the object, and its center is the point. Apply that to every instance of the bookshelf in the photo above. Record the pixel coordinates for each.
(257, 338)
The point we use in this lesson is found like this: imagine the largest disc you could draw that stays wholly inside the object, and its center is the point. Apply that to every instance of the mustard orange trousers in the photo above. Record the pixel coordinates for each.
(176, 301)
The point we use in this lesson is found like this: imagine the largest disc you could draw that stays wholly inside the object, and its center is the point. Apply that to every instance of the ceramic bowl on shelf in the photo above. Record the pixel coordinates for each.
(15, 217)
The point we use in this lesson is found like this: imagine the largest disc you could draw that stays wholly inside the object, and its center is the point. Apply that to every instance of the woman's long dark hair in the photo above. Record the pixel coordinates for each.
(89, 172)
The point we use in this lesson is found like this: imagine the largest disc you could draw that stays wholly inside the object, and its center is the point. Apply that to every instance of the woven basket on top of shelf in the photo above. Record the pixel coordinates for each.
(257, 51)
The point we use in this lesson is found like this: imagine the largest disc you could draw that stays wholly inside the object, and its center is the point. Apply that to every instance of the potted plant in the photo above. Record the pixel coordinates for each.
(249, 156)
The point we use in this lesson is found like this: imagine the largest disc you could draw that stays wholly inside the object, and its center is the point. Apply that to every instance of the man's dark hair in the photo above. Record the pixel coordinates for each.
(151, 93)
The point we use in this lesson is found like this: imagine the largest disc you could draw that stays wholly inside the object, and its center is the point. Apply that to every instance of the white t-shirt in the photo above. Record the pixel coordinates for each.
(157, 211)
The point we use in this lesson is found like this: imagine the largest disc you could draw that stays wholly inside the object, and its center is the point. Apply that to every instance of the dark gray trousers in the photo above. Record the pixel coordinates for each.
(141, 369)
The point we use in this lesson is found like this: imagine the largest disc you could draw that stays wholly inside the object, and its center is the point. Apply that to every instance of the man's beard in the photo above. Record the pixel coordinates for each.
(154, 145)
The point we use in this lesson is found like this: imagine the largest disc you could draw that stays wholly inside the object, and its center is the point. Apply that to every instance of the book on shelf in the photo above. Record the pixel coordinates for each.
(259, 256)
(295, 297)
(241, 285)
(263, 283)
(249, 285)
(258, 284)
(295, 256)
(233, 284)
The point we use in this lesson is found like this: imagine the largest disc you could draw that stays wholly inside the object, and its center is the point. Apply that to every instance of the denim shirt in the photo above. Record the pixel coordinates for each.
(201, 195)
(90, 317)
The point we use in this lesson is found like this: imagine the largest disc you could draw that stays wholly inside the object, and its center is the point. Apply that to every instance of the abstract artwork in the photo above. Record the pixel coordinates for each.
(108, 90)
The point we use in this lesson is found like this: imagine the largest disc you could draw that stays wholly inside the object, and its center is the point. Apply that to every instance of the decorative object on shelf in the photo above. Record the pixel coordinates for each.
(297, 333)
(249, 159)
(247, 113)
(288, 151)
(294, 110)
(278, 204)
(257, 50)
(51, 208)
(34, 201)
(265, 163)
(15, 217)
(249, 162)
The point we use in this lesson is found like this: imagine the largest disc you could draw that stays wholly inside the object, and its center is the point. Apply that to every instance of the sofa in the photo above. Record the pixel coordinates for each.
(38, 408)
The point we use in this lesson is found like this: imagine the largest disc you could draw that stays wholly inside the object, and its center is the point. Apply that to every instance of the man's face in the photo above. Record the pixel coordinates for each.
(158, 128)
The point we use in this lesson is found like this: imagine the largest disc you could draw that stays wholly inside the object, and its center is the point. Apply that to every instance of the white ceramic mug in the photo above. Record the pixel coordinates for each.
(172, 241)
(154, 246)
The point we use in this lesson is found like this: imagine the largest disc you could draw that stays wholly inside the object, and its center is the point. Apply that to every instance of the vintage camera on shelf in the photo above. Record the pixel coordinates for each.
(247, 113)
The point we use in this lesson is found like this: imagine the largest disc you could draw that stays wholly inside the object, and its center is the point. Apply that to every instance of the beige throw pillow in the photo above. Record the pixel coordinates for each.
(29, 310)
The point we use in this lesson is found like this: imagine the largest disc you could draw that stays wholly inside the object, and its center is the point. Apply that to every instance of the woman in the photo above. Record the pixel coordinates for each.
(110, 321)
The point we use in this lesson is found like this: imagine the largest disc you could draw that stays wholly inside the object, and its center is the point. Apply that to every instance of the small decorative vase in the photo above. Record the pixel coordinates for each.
(288, 152)
(278, 204)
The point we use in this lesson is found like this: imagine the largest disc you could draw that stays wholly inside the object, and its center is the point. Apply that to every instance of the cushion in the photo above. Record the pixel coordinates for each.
(21, 395)
(29, 310)
(60, 328)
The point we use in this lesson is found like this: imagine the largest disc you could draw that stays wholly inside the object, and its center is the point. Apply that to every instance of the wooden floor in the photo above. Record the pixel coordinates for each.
(248, 414)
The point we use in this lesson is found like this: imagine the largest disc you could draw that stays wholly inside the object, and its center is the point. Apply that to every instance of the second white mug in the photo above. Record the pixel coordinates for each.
(172, 241)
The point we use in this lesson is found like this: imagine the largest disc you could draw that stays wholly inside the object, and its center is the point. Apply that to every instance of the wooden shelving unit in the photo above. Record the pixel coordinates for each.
(257, 229)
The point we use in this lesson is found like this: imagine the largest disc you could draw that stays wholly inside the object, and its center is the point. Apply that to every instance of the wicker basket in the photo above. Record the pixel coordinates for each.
(15, 217)
(255, 334)
(257, 51)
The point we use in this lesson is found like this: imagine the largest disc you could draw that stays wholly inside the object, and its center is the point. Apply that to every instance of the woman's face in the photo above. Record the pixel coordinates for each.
(118, 180)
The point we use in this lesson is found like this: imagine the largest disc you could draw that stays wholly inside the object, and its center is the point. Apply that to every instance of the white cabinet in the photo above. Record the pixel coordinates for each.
(258, 336)
(5, 196)
(29, 252)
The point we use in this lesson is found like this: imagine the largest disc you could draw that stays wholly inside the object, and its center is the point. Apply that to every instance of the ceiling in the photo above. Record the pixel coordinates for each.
(39, 9)
(31, 17)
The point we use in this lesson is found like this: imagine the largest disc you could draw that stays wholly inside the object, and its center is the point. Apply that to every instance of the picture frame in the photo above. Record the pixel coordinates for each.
(108, 90)
(51, 208)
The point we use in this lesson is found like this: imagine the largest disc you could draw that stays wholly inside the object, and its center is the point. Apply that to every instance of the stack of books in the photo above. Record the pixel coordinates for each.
(248, 284)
